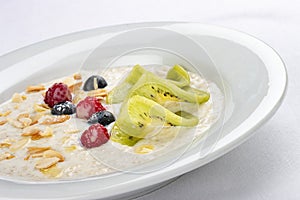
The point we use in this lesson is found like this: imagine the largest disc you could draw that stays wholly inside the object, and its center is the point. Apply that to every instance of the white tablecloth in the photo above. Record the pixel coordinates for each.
(265, 167)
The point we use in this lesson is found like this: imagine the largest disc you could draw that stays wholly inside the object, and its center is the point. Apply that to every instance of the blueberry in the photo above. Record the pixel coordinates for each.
(89, 83)
(103, 117)
(65, 108)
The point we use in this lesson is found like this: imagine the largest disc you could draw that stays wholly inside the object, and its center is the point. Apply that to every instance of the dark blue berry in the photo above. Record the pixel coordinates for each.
(89, 83)
(65, 108)
(103, 117)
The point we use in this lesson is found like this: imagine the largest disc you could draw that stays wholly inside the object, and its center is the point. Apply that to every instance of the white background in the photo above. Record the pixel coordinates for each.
(267, 166)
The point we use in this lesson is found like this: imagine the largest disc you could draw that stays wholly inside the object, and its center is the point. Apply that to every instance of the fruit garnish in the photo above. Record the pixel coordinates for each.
(177, 76)
(118, 136)
(103, 117)
(87, 107)
(57, 93)
(94, 82)
(94, 136)
(140, 116)
(161, 91)
(65, 108)
(119, 93)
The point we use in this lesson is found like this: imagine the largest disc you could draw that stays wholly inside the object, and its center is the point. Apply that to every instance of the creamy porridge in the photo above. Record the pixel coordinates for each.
(37, 145)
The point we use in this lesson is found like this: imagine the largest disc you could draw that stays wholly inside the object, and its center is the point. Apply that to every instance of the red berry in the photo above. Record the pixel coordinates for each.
(87, 107)
(95, 136)
(57, 93)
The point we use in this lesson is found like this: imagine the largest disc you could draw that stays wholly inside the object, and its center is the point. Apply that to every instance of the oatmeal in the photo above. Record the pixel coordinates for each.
(43, 138)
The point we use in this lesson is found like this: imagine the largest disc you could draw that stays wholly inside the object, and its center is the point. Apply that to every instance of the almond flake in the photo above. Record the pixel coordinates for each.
(77, 76)
(51, 153)
(35, 88)
(40, 107)
(45, 163)
(19, 144)
(52, 172)
(100, 93)
(70, 148)
(6, 156)
(25, 122)
(56, 119)
(5, 145)
(3, 121)
(23, 115)
(75, 86)
(31, 130)
(5, 114)
(71, 131)
(48, 132)
(33, 149)
(17, 98)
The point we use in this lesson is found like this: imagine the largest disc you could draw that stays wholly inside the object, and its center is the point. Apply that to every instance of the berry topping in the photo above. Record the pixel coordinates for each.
(57, 93)
(87, 107)
(94, 82)
(95, 136)
(103, 117)
(65, 108)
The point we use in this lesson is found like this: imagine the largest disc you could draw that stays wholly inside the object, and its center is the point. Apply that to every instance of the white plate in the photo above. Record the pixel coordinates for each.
(254, 78)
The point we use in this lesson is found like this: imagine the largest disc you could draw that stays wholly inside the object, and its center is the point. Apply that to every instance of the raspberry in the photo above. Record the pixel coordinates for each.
(57, 93)
(95, 136)
(87, 107)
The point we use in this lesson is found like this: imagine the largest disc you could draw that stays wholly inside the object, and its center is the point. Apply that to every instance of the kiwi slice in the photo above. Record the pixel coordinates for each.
(118, 136)
(161, 91)
(119, 93)
(176, 75)
(179, 76)
(141, 116)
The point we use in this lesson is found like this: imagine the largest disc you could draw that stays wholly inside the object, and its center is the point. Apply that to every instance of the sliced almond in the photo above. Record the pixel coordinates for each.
(52, 153)
(3, 121)
(25, 122)
(23, 115)
(19, 144)
(56, 119)
(5, 114)
(40, 107)
(77, 76)
(31, 130)
(75, 86)
(33, 149)
(48, 132)
(37, 155)
(4, 145)
(35, 118)
(16, 98)
(52, 172)
(6, 156)
(65, 139)
(35, 88)
(70, 148)
(45, 163)
(71, 131)
(100, 93)
(16, 124)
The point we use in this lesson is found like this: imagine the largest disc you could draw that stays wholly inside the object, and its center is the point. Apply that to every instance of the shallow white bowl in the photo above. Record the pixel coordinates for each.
(254, 78)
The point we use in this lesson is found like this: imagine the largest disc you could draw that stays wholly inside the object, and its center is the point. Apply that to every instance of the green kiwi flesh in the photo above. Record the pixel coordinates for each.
(179, 76)
(176, 75)
(141, 116)
(161, 91)
(118, 136)
(119, 93)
